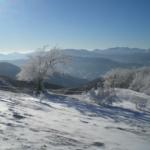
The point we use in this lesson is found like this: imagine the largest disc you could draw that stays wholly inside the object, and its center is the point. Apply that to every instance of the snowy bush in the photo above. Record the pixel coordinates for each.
(103, 96)
(137, 79)
(140, 100)
(141, 81)
(141, 103)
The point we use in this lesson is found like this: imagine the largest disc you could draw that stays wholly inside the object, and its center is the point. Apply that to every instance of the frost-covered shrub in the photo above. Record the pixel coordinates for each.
(118, 78)
(140, 102)
(103, 96)
(137, 79)
(141, 82)
(137, 82)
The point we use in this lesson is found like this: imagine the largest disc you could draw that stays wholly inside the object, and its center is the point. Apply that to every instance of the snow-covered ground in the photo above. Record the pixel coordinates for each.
(72, 123)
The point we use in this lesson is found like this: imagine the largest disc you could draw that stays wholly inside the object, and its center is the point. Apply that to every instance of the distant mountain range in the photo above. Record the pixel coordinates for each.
(123, 54)
(93, 64)
(86, 68)
(107, 53)
(126, 55)
(91, 68)
(10, 70)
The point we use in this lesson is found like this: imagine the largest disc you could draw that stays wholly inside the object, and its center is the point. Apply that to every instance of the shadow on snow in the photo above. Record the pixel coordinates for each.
(118, 114)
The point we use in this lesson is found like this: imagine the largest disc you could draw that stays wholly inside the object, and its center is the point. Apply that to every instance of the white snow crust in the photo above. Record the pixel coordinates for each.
(72, 122)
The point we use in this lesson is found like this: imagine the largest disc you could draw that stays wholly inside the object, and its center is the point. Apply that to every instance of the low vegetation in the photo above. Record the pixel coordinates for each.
(103, 96)
(110, 96)
(137, 79)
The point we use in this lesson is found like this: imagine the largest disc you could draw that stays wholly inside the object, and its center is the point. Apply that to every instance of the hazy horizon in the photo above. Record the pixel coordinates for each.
(21, 52)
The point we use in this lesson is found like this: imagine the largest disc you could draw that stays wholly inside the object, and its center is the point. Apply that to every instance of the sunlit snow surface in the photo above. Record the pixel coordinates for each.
(72, 123)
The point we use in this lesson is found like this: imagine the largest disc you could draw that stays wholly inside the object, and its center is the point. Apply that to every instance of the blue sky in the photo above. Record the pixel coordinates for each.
(80, 24)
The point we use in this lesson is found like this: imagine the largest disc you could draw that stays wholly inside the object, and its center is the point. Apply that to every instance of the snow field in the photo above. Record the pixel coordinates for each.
(71, 123)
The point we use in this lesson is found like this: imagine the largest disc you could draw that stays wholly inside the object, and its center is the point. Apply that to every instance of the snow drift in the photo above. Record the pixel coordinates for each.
(71, 122)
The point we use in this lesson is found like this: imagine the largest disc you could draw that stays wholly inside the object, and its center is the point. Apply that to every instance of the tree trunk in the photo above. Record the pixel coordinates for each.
(39, 86)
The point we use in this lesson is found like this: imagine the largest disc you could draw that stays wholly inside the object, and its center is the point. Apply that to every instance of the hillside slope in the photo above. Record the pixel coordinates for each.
(7, 83)
(71, 122)
(10, 70)
(91, 68)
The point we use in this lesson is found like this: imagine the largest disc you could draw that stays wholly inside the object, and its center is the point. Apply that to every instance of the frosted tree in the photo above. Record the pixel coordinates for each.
(119, 78)
(43, 64)
(141, 81)
(137, 79)
(114, 77)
